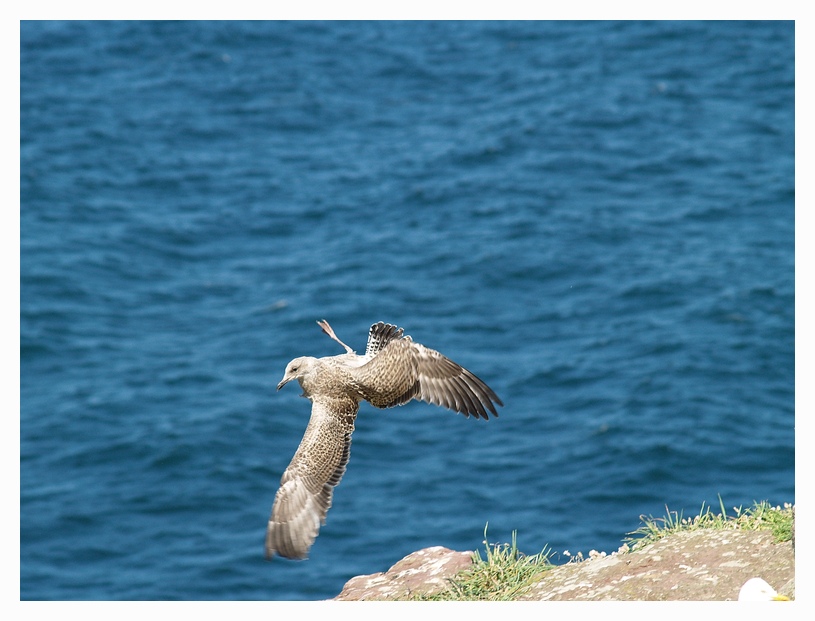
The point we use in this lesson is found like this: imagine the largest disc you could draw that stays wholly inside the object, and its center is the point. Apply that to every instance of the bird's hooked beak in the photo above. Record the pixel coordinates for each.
(294, 370)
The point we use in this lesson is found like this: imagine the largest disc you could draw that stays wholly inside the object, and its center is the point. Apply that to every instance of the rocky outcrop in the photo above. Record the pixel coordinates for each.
(701, 565)
(426, 571)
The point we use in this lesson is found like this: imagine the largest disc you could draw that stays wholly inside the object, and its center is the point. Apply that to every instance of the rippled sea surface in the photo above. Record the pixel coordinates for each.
(596, 218)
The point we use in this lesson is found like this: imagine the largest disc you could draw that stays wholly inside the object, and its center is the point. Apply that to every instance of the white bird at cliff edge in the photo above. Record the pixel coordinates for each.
(757, 590)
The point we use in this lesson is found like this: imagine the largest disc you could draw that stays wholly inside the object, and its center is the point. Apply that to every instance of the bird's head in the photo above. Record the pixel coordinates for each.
(757, 590)
(296, 369)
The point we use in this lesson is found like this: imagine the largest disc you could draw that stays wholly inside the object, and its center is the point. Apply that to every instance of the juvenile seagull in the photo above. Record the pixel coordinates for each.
(393, 371)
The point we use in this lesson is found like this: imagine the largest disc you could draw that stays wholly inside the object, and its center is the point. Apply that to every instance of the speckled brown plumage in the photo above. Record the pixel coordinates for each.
(393, 371)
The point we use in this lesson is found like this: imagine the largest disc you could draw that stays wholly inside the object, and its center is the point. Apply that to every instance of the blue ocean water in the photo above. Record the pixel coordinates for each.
(597, 218)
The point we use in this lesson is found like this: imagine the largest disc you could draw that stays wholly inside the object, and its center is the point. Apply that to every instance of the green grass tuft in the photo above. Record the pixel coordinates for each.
(761, 516)
(503, 575)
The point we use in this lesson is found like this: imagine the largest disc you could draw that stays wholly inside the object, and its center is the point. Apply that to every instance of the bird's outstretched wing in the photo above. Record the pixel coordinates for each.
(379, 336)
(307, 485)
(403, 370)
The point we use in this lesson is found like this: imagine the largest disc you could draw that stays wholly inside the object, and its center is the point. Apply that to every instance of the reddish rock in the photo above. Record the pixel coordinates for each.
(425, 571)
(704, 565)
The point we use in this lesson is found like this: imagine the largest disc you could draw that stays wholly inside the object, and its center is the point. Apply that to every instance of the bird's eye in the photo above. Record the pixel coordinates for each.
(294, 368)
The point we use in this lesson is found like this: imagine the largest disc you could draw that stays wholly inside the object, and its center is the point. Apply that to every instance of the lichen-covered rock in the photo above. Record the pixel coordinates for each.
(425, 571)
(701, 565)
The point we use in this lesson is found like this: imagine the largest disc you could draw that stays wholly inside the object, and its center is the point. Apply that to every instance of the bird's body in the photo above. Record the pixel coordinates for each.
(393, 370)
